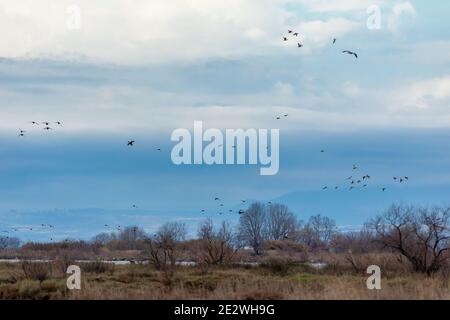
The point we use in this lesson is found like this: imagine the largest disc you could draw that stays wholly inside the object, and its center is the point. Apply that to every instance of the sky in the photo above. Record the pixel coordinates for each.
(112, 71)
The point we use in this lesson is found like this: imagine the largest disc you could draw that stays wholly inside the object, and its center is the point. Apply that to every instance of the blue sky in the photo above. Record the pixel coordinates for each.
(139, 72)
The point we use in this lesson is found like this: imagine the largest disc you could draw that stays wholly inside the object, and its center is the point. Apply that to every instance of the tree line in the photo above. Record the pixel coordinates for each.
(419, 235)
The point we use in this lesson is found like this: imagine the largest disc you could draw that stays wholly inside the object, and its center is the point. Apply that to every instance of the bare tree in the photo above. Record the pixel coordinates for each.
(421, 235)
(164, 245)
(253, 227)
(215, 246)
(103, 238)
(9, 243)
(319, 231)
(281, 223)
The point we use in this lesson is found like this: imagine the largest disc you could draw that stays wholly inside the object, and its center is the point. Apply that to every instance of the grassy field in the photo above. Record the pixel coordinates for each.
(101, 281)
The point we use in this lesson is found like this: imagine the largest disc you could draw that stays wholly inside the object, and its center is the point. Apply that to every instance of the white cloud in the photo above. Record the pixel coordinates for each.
(424, 94)
(142, 31)
(152, 31)
(339, 5)
(399, 11)
(319, 33)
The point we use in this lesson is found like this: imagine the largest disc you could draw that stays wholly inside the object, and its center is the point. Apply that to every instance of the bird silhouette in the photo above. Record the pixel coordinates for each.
(334, 40)
(295, 34)
(34, 122)
(46, 123)
(285, 39)
(299, 45)
(47, 128)
(59, 123)
(241, 211)
(130, 143)
(290, 31)
(351, 52)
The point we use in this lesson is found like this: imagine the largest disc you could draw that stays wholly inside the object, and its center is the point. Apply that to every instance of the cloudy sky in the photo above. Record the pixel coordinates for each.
(113, 71)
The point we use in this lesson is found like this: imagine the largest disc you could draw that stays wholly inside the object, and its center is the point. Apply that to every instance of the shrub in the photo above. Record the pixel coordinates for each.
(278, 266)
(29, 289)
(97, 267)
(39, 271)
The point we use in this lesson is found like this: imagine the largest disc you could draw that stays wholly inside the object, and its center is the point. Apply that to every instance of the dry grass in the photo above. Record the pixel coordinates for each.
(270, 281)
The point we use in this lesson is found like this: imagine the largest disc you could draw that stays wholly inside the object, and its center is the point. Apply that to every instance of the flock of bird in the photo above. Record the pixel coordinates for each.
(295, 35)
(354, 181)
(40, 227)
(221, 208)
(46, 126)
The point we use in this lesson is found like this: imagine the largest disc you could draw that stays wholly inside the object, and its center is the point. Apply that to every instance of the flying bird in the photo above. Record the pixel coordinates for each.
(241, 211)
(285, 39)
(290, 31)
(334, 40)
(34, 122)
(130, 143)
(47, 128)
(299, 45)
(59, 123)
(295, 34)
(351, 52)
